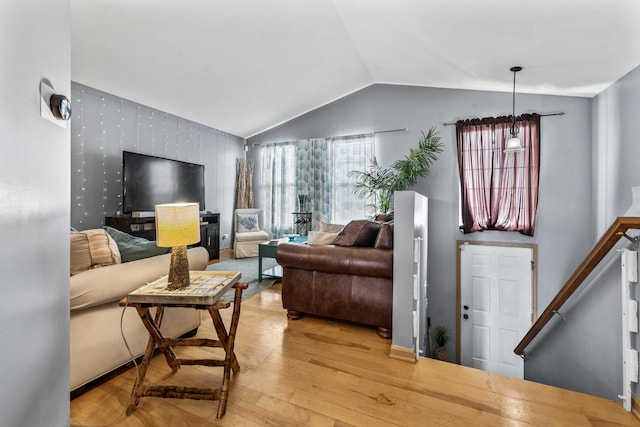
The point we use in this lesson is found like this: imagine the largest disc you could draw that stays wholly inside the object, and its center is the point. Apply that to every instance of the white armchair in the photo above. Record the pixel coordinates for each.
(249, 231)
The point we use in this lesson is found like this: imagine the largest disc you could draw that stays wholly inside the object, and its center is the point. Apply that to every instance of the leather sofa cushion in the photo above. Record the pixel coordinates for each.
(92, 249)
(385, 236)
(384, 217)
(356, 261)
(360, 232)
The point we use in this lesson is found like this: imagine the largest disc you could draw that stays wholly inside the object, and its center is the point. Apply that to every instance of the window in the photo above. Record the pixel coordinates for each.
(348, 155)
(318, 168)
(498, 191)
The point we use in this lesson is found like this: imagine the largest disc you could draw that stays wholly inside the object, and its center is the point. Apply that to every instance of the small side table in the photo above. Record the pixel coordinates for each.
(268, 250)
(204, 293)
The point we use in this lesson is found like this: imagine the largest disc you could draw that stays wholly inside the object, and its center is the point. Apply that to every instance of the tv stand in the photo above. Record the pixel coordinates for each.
(146, 227)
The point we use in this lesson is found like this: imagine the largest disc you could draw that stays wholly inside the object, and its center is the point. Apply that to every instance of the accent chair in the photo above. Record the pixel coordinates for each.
(249, 231)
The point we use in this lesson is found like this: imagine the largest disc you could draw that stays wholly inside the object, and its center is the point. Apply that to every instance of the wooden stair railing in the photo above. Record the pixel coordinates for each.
(604, 245)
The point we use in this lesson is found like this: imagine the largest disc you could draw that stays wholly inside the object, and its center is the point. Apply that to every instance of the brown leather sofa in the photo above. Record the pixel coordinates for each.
(351, 280)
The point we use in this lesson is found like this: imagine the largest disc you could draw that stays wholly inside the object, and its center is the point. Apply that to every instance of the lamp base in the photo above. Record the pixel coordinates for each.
(179, 268)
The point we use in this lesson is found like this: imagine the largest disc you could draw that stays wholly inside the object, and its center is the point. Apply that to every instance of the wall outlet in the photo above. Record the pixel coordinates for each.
(225, 236)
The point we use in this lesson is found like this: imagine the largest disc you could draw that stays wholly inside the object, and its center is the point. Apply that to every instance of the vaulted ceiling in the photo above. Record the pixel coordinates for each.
(243, 66)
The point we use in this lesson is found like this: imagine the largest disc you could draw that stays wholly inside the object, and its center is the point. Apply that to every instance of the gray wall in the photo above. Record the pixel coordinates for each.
(591, 337)
(104, 125)
(34, 216)
(616, 151)
(564, 233)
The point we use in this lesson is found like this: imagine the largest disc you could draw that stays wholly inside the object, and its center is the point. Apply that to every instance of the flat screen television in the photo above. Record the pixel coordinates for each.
(149, 180)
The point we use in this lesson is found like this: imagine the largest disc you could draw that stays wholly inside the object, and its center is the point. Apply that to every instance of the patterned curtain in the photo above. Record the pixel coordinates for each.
(244, 195)
(318, 168)
(322, 172)
(313, 178)
(498, 191)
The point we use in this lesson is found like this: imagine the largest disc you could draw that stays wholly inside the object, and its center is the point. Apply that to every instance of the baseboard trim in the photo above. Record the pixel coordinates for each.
(635, 406)
(402, 353)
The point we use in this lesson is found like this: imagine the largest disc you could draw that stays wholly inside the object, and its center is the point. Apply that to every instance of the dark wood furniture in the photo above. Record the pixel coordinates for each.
(226, 341)
(146, 227)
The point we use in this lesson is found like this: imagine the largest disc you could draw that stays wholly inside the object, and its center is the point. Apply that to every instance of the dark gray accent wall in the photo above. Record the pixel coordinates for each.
(104, 125)
(564, 233)
(34, 216)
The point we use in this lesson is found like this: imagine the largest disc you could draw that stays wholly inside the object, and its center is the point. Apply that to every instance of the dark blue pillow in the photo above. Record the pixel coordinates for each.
(133, 248)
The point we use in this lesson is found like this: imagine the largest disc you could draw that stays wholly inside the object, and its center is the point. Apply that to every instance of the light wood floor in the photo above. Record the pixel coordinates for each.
(315, 372)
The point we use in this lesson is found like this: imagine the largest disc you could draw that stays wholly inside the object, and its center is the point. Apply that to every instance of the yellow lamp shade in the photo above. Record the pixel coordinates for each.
(177, 224)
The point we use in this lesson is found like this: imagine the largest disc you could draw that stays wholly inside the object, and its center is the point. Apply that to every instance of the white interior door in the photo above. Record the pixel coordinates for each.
(496, 306)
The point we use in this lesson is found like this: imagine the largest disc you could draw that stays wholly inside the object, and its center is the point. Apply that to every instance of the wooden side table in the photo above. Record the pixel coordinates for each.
(204, 293)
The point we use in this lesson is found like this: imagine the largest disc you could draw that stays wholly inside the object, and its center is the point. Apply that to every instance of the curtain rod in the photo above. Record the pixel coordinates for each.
(367, 133)
(348, 136)
(561, 113)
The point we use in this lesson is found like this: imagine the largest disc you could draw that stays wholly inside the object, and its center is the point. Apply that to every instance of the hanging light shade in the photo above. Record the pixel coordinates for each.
(514, 145)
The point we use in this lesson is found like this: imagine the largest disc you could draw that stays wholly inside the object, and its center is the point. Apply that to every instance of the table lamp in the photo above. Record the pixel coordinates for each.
(178, 225)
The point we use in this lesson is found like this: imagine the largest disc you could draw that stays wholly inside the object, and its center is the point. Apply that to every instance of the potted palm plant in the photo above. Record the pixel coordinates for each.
(378, 184)
(442, 337)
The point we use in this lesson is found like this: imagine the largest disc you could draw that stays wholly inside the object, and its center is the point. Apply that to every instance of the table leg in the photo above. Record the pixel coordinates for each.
(146, 359)
(153, 326)
(228, 341)
(259, 267)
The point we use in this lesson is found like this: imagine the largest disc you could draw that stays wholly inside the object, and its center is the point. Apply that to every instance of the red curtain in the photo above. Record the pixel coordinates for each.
(498, 191)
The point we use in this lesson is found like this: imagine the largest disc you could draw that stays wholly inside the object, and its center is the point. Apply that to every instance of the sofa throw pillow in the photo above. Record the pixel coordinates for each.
(361, 232)
(133, 248)
(385, 236)
(92, 249)
(330, 228)
(321, 238)
(247, 222)
(384, 217)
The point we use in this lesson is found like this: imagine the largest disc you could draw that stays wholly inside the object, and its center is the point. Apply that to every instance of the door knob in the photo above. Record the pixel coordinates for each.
(466, 307)
(466, 316)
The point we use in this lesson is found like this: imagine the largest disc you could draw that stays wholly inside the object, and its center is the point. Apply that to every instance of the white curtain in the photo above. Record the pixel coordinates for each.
(348, 155)
(277, 186)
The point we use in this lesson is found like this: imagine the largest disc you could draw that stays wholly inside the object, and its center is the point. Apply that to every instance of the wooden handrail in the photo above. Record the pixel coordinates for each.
(604, 245)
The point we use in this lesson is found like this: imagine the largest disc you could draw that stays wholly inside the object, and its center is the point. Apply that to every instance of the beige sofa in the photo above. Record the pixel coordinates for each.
(97, 346)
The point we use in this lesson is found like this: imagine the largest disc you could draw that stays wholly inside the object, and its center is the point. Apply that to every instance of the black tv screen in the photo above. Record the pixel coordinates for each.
(149, 180)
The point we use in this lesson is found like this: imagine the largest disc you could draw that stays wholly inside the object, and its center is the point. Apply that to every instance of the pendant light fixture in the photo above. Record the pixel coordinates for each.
(514, 145)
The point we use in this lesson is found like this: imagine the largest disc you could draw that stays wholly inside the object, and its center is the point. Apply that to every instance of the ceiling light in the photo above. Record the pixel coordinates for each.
(514, 145)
